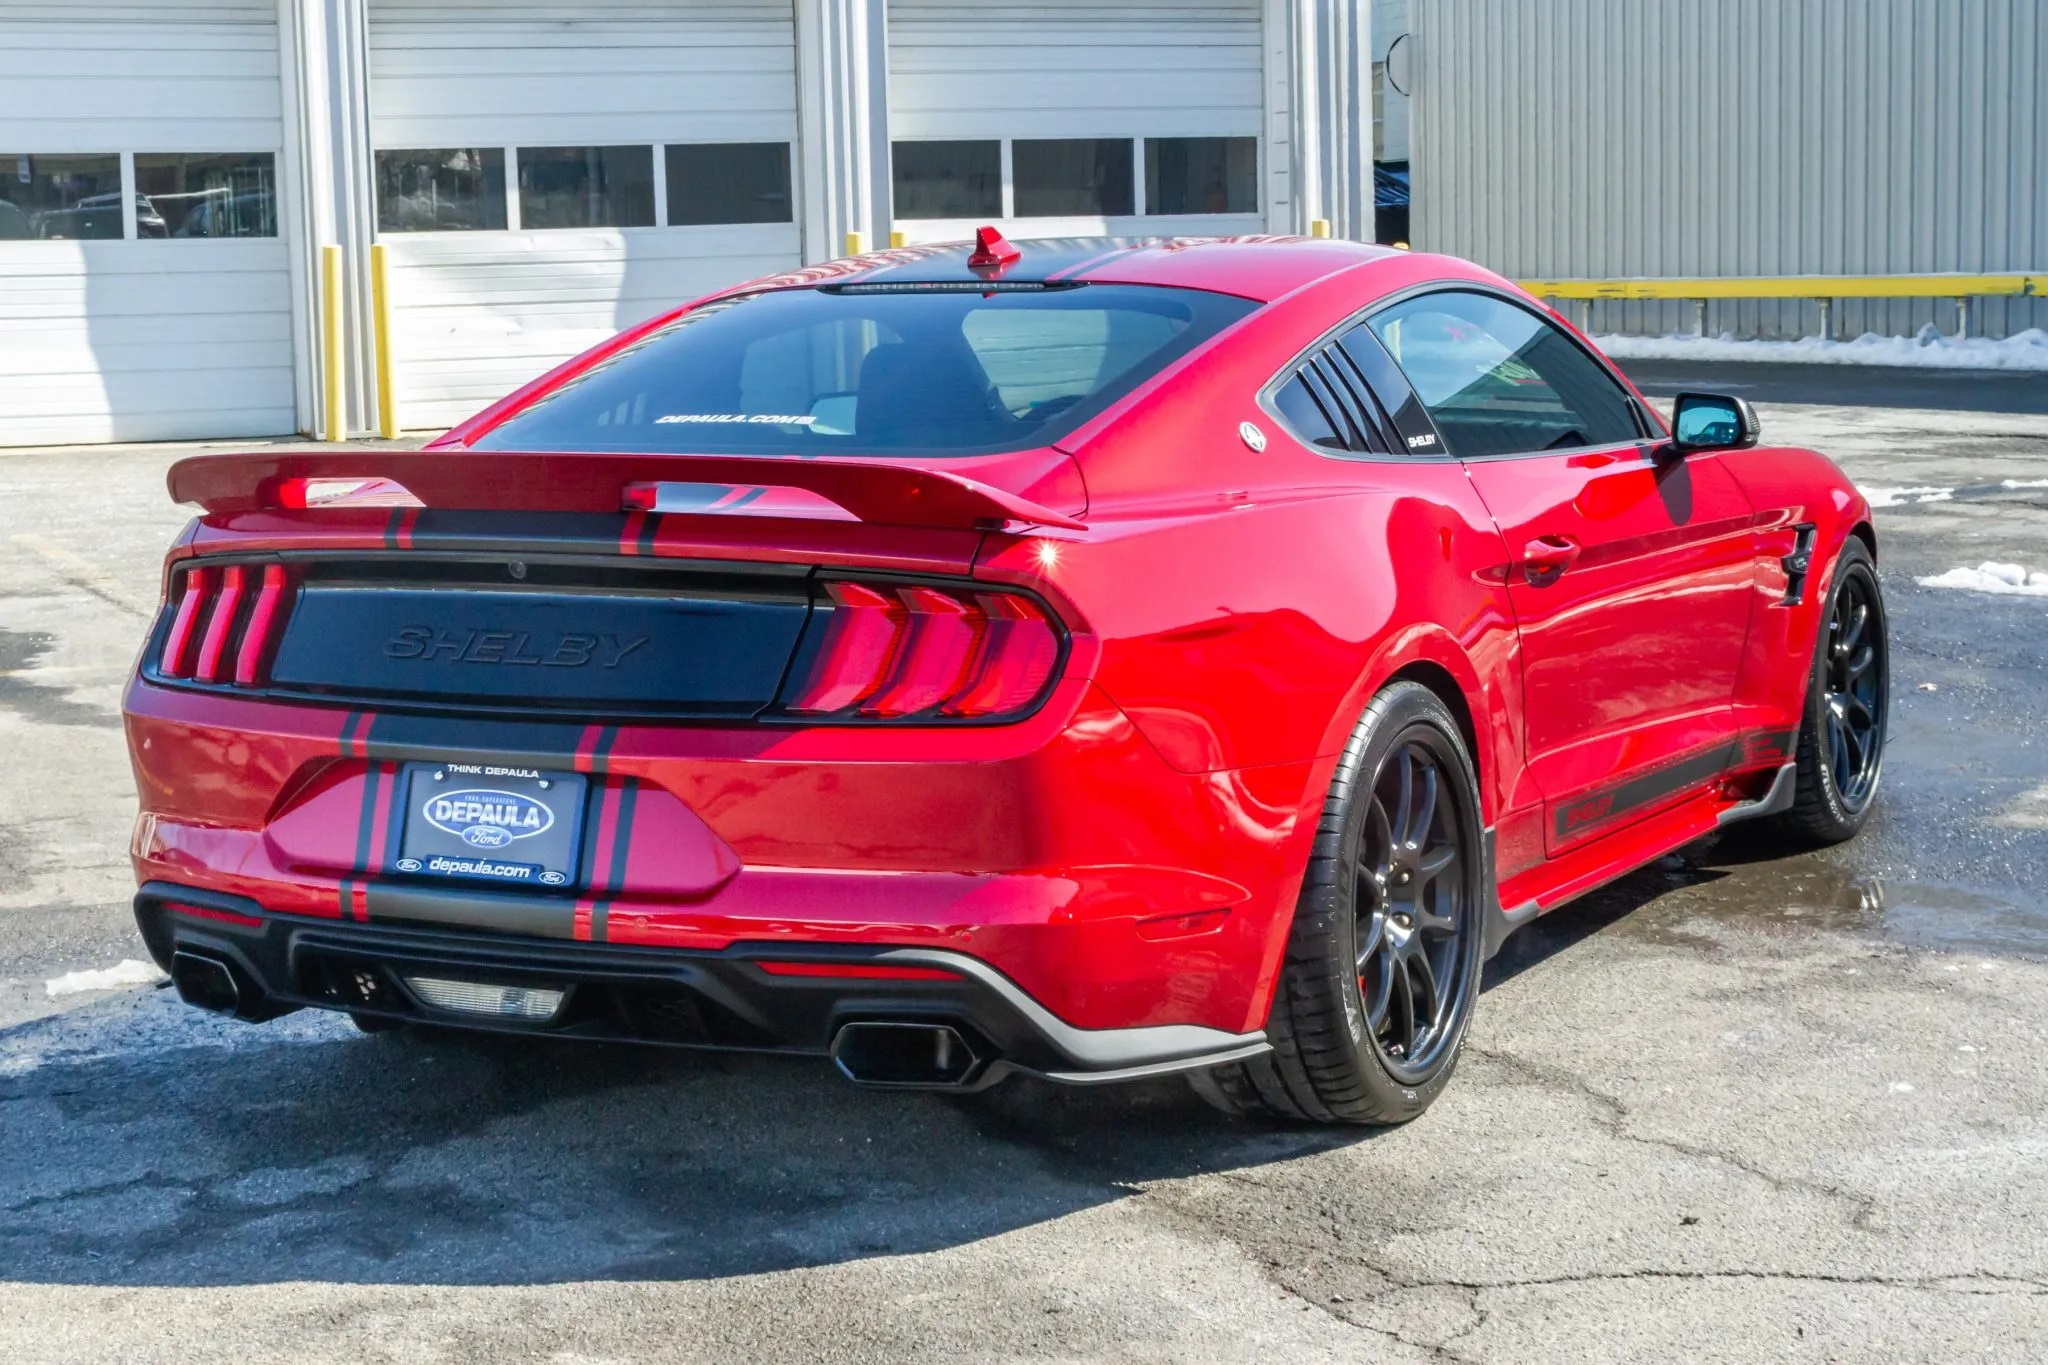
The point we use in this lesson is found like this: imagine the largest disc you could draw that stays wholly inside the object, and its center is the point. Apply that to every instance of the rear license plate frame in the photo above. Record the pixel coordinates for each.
(497, 824)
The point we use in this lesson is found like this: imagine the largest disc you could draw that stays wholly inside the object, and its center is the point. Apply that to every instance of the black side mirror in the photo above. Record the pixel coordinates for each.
(1713, 421)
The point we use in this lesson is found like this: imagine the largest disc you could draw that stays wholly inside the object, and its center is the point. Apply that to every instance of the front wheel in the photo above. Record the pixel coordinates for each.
(1382, 965)
(1848, 705)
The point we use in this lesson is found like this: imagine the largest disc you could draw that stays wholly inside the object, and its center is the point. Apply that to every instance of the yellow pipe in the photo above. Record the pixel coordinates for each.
(1793, 287)
(856, 244)
(1318, 227)
(899, 239)
(380, 320)
(331, 418)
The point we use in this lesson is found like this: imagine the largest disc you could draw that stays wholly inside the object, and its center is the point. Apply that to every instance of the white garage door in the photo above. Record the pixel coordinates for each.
(144, 291)
(550, 173)
(1077, 116)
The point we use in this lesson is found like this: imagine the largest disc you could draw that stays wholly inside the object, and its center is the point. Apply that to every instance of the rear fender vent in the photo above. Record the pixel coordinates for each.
(225, 623)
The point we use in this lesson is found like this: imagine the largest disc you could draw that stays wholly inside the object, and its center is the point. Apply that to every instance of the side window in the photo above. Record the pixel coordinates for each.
(1304, 415)
(1499, 380)
(1327, 404)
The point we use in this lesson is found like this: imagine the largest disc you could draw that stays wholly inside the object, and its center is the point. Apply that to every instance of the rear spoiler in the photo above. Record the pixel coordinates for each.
(883, 494)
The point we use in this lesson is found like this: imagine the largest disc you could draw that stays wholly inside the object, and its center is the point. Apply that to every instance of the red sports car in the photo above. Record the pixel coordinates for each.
(1082, 658)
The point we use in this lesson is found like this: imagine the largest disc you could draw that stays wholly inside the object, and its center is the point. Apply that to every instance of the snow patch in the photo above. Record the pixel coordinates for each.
(1989, 577)
(2023, 483)
(128, 972)
(2026, 350)
(1906, 497)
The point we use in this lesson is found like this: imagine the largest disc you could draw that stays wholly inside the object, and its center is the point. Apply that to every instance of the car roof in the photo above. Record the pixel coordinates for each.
(1255, 267)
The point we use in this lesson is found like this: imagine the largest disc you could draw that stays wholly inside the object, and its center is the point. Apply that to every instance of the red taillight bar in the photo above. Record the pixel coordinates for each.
(257, 638)
(219, 622)
(858, 650)
(225, 649)
(196, 589)
(1018, 652)
(939, 637)
(891, 652)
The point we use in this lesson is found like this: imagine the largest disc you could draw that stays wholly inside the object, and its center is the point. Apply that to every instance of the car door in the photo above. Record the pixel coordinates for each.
(1631, 570)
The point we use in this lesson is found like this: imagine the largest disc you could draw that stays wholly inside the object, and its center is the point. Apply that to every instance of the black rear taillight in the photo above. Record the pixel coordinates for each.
(225, 622)
(890, 652)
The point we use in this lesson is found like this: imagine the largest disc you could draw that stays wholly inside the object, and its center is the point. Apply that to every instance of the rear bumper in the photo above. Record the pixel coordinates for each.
(749, 996)
(1061, 852)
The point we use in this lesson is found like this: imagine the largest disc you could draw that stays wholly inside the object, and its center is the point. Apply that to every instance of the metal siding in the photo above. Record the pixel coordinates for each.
(1587, 138)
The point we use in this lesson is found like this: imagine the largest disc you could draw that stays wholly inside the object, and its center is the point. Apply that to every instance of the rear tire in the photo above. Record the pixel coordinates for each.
(1382, 963)
(1848, 709)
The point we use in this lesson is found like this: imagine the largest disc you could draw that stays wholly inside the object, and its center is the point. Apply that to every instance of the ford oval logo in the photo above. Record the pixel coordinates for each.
(483, 818)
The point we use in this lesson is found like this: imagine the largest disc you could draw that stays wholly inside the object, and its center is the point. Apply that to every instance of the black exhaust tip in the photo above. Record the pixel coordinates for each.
(905, 1055)
(206, 982)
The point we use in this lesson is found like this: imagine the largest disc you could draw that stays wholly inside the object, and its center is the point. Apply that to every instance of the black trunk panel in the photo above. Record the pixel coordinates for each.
(541, 636)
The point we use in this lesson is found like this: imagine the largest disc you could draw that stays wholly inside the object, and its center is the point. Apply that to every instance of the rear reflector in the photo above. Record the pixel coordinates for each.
(890, 652)
(225, 624)
(858, 971)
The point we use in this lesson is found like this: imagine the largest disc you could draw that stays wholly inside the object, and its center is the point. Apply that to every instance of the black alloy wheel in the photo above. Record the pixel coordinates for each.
(1840, 755)
(1410, 926)
(1382, 962)
(1854, 691)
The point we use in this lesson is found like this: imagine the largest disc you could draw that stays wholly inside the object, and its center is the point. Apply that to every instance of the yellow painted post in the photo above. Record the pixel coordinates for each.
(899, 239)
(380, 322)
(332, 426)
(856, 244)
(1318, 227)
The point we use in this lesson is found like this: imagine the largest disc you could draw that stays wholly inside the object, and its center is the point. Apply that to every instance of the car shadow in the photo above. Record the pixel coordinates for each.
(142, 1143)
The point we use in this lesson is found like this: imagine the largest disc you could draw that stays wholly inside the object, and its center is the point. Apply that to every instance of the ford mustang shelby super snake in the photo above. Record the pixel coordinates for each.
(1081, 658)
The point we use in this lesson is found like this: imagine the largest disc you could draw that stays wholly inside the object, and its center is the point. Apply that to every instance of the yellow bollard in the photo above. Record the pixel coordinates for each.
(856, 244)
(333, 426)
(380, 320)
(899, 239)
(1318, 227)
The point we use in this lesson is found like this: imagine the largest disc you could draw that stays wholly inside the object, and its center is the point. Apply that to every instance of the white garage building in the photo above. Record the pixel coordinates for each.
(545, 172)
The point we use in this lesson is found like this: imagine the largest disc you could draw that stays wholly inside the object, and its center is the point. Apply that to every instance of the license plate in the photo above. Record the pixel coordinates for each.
(484, 822)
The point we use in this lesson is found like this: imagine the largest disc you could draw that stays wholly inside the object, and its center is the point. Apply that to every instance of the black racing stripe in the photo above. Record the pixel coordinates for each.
(600, 753)
(615, 876)
(645, 544)
(511, 531)
(366, 821)
(394, 818)
(1600, 807)
(346, 898)
(524, 743)
(349, 740)
(391, 527)
(743, 499)
(593, 819)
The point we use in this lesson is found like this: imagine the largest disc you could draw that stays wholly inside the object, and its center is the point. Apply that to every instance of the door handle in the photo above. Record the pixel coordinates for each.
(1548, 556)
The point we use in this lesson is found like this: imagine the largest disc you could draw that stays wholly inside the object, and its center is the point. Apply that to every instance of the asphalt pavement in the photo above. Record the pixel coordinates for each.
(1735, 1107)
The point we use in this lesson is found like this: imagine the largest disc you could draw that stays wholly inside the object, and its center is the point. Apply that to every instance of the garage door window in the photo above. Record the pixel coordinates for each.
(1056, 177)
(1185, 175)
(76, 198)
(447, 189)
(209, 195)
(948, 179)
(728, 182)
(586, 187)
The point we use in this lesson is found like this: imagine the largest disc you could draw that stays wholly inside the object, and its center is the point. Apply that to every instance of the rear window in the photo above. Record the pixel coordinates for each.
(875, 371)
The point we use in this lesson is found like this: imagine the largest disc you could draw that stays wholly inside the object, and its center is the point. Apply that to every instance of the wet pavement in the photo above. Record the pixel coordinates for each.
(1735, 1106)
